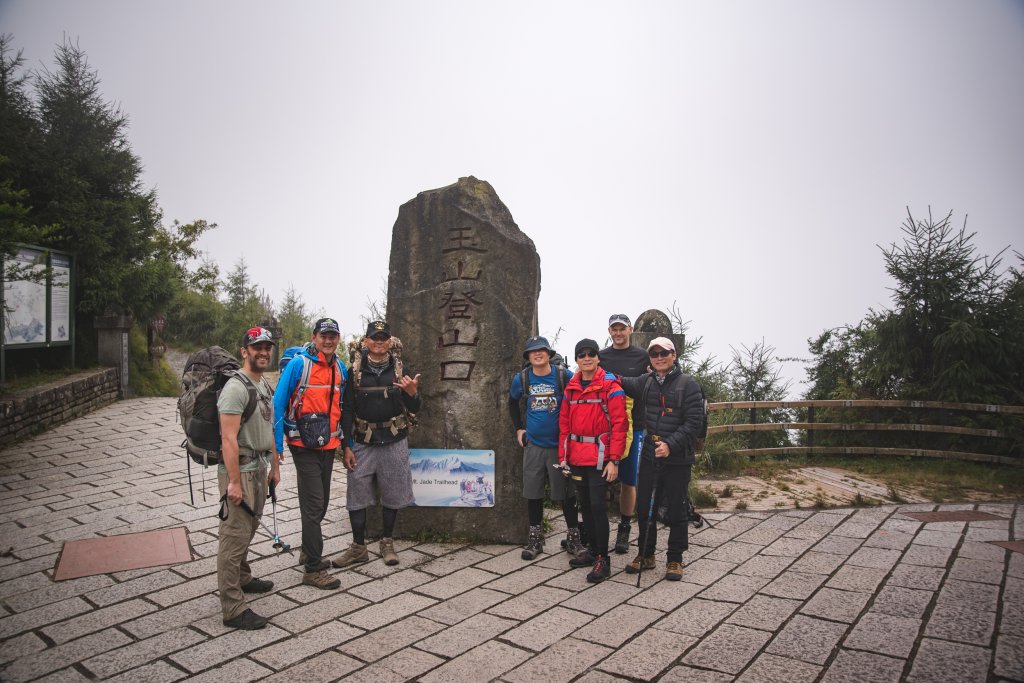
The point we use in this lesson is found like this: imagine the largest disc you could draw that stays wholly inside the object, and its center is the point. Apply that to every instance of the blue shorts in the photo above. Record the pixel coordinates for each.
(629, 466)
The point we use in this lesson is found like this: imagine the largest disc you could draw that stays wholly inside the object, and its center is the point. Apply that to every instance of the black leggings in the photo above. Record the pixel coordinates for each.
(358, 520)
(535, 510)
(592, 491)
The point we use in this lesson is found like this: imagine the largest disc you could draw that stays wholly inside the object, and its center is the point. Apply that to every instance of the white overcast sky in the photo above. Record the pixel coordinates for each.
(742, 158)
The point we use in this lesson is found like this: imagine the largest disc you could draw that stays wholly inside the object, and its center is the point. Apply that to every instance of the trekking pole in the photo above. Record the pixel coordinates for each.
(223, 514)
(278, 543)
(642, 541)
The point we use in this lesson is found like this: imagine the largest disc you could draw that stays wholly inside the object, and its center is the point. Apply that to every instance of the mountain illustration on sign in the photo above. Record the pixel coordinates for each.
(451, 465)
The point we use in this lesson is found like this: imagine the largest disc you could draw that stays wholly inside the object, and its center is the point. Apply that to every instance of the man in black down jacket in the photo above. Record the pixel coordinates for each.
(673, 407)
(375, 419)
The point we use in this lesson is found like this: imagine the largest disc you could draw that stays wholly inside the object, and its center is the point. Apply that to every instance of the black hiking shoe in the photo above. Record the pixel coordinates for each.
(622, 539)
(246, 621)
(258, 586)
(534, 544)
(601, 571)
(584, 559)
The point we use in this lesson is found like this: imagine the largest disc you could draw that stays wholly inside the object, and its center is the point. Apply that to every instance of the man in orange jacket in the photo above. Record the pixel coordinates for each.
(307, 414)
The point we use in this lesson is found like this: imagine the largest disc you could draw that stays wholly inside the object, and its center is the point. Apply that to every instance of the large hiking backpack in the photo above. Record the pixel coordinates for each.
(206, 372)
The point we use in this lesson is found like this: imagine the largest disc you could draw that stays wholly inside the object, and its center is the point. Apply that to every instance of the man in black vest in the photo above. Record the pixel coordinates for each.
(381, 399)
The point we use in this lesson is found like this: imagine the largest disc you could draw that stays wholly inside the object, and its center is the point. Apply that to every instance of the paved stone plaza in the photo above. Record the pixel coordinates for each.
(797, 595)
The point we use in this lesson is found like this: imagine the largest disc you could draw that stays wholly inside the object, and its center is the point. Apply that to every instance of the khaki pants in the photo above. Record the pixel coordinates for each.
(234, 535)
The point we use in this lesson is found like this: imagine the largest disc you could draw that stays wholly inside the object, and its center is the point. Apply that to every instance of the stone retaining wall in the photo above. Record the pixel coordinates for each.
(54, 403)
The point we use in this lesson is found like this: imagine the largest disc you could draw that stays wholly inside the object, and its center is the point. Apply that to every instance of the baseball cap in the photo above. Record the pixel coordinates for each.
(255, 335)
(378, 327)
(663, 342)
(326, 325)
(619, 319)
(586, 344)
(536, 344)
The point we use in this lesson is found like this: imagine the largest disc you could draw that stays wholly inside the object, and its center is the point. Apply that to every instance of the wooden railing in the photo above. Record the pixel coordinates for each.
(810, 426)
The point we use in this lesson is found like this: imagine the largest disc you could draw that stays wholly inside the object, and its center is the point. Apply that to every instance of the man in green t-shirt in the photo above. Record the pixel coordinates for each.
(247, 467)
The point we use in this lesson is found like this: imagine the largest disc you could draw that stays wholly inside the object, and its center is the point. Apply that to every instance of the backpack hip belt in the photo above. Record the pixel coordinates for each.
(248, 455)
(593, 439)
(395, 424)
(294, 433)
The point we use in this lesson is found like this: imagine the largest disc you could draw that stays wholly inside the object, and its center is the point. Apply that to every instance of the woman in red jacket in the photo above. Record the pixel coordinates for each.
(591, 440)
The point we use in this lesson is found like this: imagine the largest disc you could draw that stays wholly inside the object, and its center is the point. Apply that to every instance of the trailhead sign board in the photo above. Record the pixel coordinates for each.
(452, 478)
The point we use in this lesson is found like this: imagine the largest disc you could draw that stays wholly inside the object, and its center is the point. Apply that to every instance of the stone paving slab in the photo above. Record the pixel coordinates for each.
(864, 594)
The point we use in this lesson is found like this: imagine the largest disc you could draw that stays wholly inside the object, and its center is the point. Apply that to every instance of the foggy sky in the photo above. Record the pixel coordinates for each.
(743, 159)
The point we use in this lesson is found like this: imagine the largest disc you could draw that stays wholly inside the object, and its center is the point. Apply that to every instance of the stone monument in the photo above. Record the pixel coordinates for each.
(654, 323)
(462, 296)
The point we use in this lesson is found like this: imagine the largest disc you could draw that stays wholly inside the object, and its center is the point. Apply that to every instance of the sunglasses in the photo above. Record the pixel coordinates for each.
(659, 354)
(586, 354)
(380, 337)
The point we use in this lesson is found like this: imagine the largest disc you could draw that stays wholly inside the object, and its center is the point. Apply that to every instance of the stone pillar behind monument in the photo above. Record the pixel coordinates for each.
(462, 295)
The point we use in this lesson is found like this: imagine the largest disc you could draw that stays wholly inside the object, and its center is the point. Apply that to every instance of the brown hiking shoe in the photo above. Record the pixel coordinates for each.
(673, 571)
(634, 566)
(355, 553)
(320, 579)
(387, 552)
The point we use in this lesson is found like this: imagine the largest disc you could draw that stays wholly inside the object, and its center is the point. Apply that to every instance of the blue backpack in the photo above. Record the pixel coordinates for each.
(289, 353)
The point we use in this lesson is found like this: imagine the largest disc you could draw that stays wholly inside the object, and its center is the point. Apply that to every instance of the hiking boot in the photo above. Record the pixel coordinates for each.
(320, 579)
(674, 571)
(583, 538)
(622, 539)
(258, 586)
(634, 566)
(534, 544)
(246, 621)
(584, 559)
(572, 542)
(601, 571)
(355, 553)
(387, 552)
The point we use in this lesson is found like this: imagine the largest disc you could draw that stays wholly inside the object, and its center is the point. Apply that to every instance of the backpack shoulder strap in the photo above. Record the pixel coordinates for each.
(524, 381)
(560, 378)
(300, 388)
(250, 386)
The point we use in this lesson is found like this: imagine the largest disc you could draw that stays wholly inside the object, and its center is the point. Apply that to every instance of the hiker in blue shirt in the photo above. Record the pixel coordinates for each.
(542, 382)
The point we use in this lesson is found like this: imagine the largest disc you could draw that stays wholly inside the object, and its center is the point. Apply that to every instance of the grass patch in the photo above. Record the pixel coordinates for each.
(702, 498)
(895, 496)
(726, 492)
(741, 505)
(860, 501)
(21, 381)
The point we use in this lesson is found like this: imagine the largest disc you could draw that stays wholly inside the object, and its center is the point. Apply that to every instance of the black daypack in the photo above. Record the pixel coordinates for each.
(206, 373)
